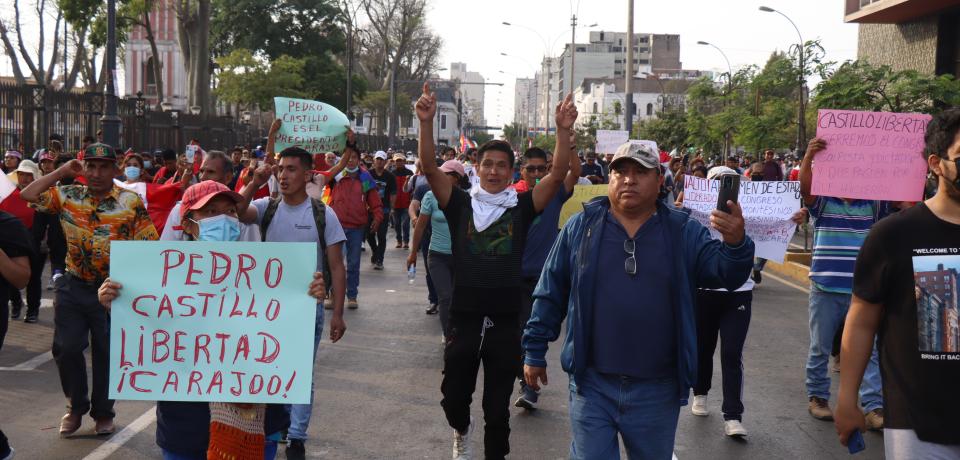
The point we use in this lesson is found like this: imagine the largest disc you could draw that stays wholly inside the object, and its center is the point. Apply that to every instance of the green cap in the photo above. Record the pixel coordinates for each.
(99, 151)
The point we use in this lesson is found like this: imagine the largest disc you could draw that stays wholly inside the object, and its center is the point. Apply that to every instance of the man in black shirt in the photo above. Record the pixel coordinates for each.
(488, 229)
(387, 186)
(592, 170)
(905, 288)
(15, 252)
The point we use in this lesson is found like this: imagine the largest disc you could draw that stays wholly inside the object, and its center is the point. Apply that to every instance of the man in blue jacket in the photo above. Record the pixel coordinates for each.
(630, 345)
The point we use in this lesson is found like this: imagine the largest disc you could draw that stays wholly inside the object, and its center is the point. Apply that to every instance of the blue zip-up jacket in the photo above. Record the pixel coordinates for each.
(568, 284)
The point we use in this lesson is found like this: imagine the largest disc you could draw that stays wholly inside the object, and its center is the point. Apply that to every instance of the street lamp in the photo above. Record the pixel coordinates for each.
(663, 91)
(726, 137)
(110, 121)
(801, 119)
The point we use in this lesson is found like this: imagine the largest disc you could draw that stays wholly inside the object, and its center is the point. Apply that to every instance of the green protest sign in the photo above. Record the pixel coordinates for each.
(314, 126)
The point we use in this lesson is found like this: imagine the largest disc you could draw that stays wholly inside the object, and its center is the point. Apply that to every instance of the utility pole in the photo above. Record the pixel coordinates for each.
(628, 70)
(573, 48)
(348, 108)
(546, 109)
(110, 122)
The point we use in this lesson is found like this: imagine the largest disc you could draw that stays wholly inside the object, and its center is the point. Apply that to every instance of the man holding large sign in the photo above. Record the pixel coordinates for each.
(840, 228)
(224, 323)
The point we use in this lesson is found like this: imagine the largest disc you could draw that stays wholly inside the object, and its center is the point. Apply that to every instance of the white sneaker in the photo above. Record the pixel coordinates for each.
(734, 429)
(462, 449)
(699, 406)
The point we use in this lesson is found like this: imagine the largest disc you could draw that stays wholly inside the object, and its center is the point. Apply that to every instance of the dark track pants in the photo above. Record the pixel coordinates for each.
(726, 314)
(497, 350)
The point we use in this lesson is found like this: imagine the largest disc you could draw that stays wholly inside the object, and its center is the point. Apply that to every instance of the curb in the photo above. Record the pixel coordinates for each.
(793, 271)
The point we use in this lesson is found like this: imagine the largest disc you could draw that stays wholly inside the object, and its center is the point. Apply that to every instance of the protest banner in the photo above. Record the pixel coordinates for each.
(314, 126)
(229, 322)
(767, 209)
(581, 195)
(871, 155)
(608, 141)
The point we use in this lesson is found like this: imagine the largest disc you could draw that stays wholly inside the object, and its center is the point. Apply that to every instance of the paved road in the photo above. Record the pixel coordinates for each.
(378, 391)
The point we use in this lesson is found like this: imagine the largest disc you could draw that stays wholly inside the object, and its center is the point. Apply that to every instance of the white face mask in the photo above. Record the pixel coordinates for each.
(352, 170)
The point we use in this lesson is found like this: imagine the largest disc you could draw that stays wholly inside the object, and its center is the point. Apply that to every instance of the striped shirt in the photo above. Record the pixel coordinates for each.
(839, 232)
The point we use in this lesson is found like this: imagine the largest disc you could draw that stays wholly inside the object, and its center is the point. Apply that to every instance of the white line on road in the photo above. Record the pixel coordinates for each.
(788, 283)
(116, 441)
(30, 364)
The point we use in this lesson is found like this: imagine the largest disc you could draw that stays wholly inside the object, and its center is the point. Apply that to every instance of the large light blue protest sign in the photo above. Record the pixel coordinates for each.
(314, 126)
(199, 321)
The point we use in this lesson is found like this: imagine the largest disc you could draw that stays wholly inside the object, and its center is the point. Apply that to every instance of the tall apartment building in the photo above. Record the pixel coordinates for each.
(524, 102)
(921, 35)
(472, 93)
(937, 309)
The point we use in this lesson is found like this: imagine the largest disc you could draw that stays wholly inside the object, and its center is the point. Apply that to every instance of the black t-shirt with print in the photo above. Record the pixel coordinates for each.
(486, 274)
(15, 241)
(386, 185)
(910, 264)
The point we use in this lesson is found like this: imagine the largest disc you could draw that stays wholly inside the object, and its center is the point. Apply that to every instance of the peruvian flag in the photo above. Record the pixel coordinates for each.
(158, 199)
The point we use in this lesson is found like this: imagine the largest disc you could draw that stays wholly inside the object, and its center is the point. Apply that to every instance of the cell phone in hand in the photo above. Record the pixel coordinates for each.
(191, 154)
(729, 191)
(855, 442)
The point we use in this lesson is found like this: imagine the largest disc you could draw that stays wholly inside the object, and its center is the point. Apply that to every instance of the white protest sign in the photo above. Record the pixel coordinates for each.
(608, 141)
(767, 209)
(6, 186)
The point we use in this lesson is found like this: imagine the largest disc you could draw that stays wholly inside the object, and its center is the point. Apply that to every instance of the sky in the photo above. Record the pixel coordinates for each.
(473, 33)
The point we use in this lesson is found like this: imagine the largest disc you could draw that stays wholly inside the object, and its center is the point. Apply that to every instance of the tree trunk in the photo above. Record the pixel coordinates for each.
(157, 61)
(78, 57)
(14, 62)
(23, 50)
(193, 28)
(56, 52)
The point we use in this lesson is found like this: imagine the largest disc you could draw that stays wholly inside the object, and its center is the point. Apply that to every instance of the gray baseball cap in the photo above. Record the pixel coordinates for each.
(643, 155)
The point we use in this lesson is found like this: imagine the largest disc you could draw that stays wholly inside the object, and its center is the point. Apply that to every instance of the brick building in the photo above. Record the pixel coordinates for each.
(937, 309)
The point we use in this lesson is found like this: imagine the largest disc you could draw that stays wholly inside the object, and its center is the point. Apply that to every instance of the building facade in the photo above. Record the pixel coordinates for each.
(921, 35)
(472, 92)
(603, 100)
(937, 310)
(138, 60)
(606, 54)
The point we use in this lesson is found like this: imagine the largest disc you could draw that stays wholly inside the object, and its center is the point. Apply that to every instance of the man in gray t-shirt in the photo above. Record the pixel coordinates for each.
(294, 222)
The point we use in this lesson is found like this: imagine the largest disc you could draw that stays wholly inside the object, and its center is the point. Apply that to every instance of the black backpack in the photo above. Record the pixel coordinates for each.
(320, 221)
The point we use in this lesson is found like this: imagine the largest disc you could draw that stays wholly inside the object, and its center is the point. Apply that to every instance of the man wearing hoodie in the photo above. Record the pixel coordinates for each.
(646, 305)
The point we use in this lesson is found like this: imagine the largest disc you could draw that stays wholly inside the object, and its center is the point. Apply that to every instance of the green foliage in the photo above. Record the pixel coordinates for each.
(307, 30)
(669, 130)
(859, 85)
(246, 80)
(480, 137)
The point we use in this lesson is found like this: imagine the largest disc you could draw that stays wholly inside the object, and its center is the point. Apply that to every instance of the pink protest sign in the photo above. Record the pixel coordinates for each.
(871, 155)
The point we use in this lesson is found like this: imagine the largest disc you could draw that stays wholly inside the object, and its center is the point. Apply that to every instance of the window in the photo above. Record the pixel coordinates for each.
(644, 50)
(360, 120)
(581, 49)
(649, 109)
(594, 107)
(443, 122)
(149, 80)
(644, 39)
(644, 61)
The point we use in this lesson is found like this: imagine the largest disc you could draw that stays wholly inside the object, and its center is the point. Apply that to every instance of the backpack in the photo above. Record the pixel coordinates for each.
(320, 221)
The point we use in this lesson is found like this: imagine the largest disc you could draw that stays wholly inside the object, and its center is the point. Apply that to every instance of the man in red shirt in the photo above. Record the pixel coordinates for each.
(400, 214)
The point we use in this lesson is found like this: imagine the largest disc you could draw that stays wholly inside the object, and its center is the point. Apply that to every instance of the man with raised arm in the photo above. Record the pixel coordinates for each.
(488, 229)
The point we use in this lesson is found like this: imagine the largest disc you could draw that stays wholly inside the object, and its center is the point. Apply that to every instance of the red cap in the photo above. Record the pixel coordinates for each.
(198, 195)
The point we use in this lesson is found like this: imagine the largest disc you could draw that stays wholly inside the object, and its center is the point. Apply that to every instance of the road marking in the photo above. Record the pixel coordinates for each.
(788, 283)
(30, 364)
(118, 440)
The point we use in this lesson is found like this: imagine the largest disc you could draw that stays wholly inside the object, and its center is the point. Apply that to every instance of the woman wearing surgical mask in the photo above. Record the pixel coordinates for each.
(134, 170)
(183, 428)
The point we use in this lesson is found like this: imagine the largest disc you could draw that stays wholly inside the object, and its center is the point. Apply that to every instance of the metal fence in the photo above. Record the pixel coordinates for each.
(30, 114)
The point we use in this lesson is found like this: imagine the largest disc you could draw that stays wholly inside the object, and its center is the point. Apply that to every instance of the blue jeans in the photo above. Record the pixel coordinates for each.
(401, 223)
(300, 413)
(269, 453)
(643, 412)
(353, 243)
(828, 311)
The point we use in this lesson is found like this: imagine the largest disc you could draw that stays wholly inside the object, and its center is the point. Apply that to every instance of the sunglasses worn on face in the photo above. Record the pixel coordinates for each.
(531, 169)
(630, 265)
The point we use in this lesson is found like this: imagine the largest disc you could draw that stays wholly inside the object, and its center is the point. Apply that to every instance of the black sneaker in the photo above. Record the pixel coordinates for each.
(434, 309)
(14, 312)
(296, 450)
(30, 318)
(757, 277)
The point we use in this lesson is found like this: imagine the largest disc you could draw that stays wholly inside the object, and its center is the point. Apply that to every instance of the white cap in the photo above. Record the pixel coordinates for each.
(718, 171)
(380, 155)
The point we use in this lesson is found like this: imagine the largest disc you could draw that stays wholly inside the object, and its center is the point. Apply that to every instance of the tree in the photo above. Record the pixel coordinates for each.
(193, 31)
(137, 13)
(859, 85)
(669, 130)
(307, 30)
(41, 71)
(378, 104)
(247, 81)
